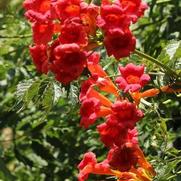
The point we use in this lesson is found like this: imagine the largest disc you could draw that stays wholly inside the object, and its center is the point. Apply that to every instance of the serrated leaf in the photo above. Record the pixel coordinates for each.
(73, 94)
(48, 97)
(41, 92)
(32, 91)
(22, 89)
(171, 53)
(58, 92)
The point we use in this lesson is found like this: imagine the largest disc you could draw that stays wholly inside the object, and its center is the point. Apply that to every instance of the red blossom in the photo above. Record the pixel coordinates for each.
(40, 58)
(111, 17)
(123, 158)
(66, 8)
(42, 33)
(37, 10)
(89, 165)
(89, 13)
(89, 158)
(133, 8)
(68, 63)
(72, 31)
(84, 88)
(132, 78)
(89, 111)
(41, 6)
(112, 133)
(119, 123)
(125, 163)
(126, 113)
(119, 43)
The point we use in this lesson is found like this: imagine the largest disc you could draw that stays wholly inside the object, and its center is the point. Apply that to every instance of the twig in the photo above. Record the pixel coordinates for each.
(157, 62)
(16, 36)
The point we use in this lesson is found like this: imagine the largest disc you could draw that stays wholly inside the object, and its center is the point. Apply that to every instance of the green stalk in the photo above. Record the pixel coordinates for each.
(16, 36)
(157, 62)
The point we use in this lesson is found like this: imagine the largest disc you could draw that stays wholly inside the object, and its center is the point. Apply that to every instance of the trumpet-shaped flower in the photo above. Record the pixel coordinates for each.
(132, 78)
(127, 162)
(66, 8)
(133, 8)
(89, 111)
(72, 31)
(40, 57)
(112, 16)
(68, 63)
(119, 43)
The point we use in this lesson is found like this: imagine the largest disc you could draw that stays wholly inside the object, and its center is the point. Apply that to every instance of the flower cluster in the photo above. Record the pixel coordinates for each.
(65, 34)
(125, 159)
(115, 19)
(64, 31)
(61, 31)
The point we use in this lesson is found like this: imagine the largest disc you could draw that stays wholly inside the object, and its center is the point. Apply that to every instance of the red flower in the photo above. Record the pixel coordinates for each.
(133, 8)
(112, 133)
(40, 58)
(89, 111)
(40, 6)
(42, 33)
(89, 159)
(123, 158)
(119, 44)
(89, 165)
(132, 78)
(33, 16)
(132, 136)
(112, 16)
(37, 10)
(84, 88)
(119, 122)
(72, 31)
(68, 63)
(125, 163)
(89, 13)
(126, 113)
(66, 8)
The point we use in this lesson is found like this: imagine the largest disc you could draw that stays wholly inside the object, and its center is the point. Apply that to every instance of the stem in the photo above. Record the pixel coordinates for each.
(162, 1)
(16, 36)
(148, 57)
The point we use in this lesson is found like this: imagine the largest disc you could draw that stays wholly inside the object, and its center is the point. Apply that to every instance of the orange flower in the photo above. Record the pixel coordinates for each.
(154, 92)
(102, 79)
(143, 171)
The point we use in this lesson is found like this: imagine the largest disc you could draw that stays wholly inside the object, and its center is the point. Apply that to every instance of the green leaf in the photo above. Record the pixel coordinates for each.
(41, 151)
(40, 92)
(23, 158)
(7, 174)
(73, 94)
(171, 54)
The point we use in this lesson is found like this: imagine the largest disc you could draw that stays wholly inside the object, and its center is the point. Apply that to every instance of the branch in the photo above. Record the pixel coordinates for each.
(157, 62)
(16, 36)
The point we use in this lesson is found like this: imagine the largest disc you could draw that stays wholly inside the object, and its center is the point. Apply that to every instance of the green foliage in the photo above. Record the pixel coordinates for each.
(41, 92)
(44, 140)
(170, 56)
